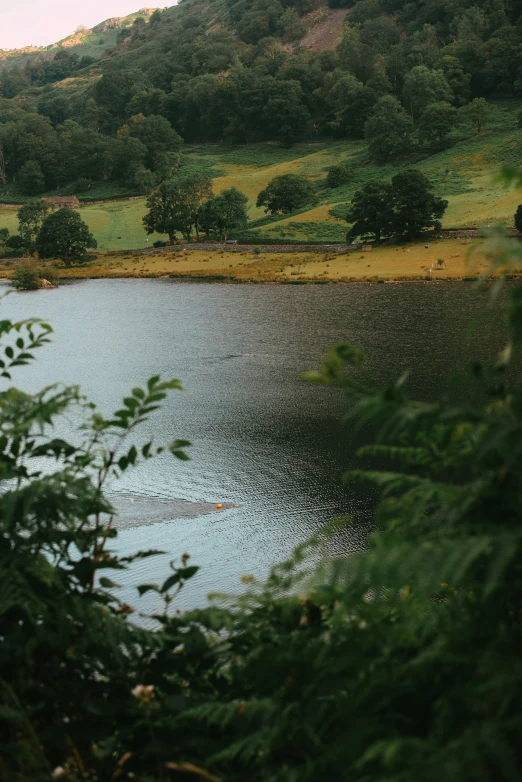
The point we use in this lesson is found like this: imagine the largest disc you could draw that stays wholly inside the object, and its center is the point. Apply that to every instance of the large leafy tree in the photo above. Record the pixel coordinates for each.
(388, 130)
(371, 212)
(422, 87)
(285, 194)
(30, 220)
(31, 178)
(64, 235)
(415, 207)
(224, 212)
(478, 113)
(157, 136)
(175, 204)
(402, 209)
(436, 123)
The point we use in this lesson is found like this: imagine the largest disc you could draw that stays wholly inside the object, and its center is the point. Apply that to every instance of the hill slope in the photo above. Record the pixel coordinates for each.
(84, 42)
(380, 85)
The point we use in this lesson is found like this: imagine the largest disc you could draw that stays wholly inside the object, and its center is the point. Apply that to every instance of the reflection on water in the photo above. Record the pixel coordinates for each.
(263, 440)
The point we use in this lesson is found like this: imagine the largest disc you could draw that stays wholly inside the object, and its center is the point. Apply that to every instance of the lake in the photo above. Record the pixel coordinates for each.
(263, 439)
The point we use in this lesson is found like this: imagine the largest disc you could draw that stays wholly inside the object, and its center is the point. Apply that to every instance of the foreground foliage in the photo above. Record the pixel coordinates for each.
(400, 663)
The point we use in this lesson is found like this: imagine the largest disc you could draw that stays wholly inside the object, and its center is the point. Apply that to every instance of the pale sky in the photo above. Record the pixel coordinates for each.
(42, 22)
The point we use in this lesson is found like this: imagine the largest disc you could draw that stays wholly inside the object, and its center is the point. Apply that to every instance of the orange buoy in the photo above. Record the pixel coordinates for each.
(219, 506)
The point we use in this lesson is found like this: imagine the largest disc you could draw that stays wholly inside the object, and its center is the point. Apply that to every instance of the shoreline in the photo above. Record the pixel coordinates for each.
(443, 260)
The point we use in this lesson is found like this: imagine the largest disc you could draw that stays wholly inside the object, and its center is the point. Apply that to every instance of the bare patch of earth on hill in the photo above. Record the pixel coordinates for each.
(326, 30)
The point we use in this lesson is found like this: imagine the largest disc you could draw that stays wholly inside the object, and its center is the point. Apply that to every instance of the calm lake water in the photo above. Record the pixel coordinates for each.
(263, 439)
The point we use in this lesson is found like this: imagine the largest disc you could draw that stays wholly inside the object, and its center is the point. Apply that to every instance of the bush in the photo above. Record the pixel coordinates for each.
(159, 243)
(26, 278)
(339, 175)
(82, 184)
(30, 277)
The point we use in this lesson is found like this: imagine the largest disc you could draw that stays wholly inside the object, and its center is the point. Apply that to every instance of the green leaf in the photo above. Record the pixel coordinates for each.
(106, 583)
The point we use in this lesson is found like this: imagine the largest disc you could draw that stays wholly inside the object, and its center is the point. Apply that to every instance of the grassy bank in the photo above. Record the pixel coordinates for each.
(405, 262)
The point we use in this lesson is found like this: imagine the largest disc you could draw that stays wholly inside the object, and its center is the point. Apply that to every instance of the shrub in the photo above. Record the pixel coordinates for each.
(26, 278)
(82, 184)
(30, 277)
(339, 175)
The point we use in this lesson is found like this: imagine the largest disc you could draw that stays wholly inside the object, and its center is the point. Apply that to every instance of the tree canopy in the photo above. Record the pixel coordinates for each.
(224, 212)
(175, 204)
(402, 209)
(121, 117)
(30, 220)
(285, 194)
(64, 235)
(388, 130)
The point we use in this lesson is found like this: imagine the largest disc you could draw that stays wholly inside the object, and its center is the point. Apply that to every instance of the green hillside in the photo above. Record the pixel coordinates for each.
(245, 90)
(83, 43)
(464, 174)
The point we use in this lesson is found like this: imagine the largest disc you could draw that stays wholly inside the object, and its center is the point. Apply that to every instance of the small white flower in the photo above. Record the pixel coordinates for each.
(58, 772)
(143, 692)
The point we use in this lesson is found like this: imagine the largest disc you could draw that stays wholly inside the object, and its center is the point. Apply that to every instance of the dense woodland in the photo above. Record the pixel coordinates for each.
(404, 77)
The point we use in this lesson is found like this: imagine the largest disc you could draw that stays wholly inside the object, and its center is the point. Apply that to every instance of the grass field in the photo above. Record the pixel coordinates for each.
(408, 262)
(464, 174)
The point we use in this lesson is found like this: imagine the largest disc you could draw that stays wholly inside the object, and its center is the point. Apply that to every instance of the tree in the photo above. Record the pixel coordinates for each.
(175, 204)
(64, 235)
(436, 123)
(339, 175)
(478, 113)
(224, 212)
(4, 235)
(401, 209)
(371, 212)
(423, 86)
(157, 136)
(31, 178)
(30, 220)
(518, 218)
(285, 194)
(16, 244)
(388, 130)
(415, 207)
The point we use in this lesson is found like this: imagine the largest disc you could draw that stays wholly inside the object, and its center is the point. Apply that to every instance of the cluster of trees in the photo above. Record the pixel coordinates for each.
(185, 203)
(41, 71)
(406, 74)
(60, 234)
(401, 209)
(40, 157)
(402, 78)
(400, 662)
